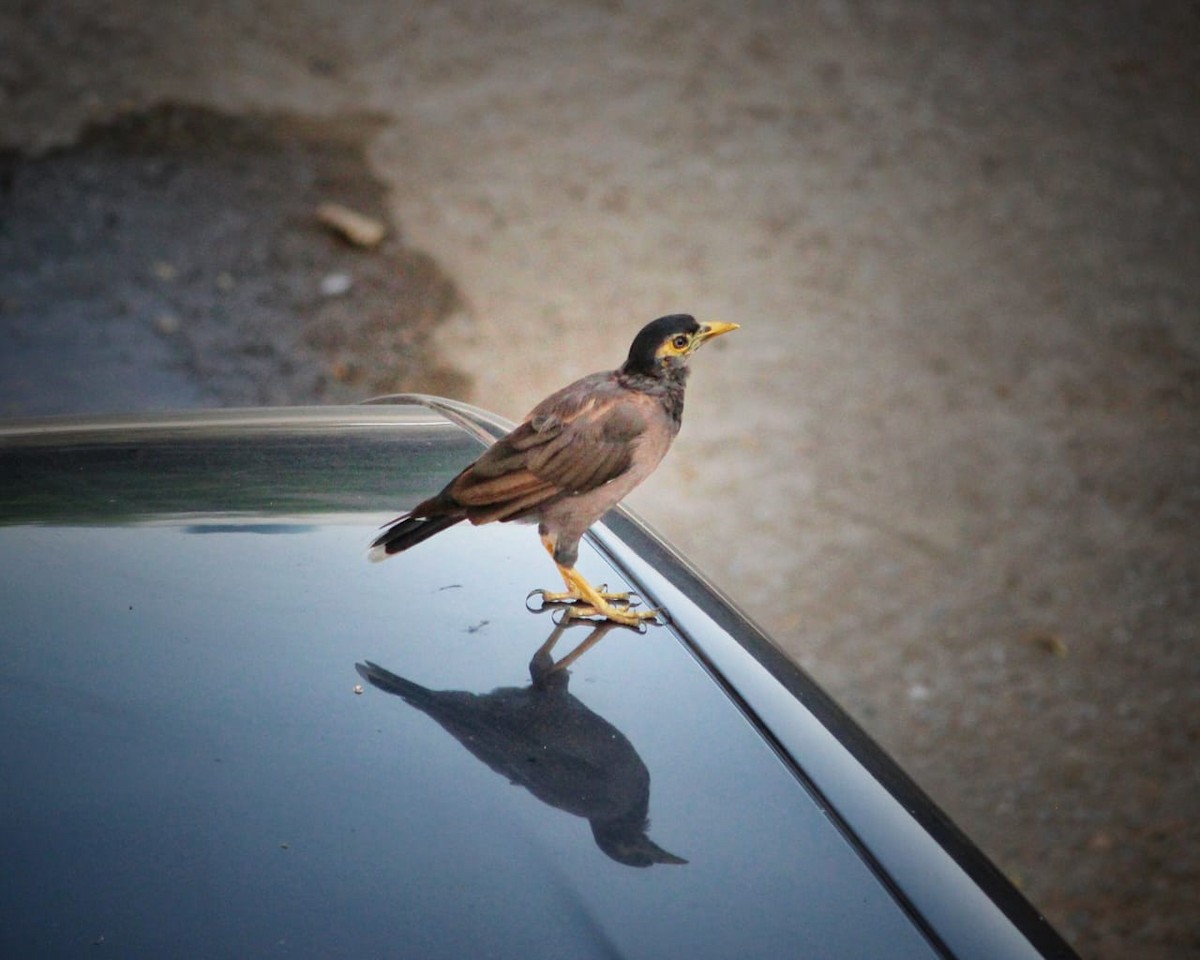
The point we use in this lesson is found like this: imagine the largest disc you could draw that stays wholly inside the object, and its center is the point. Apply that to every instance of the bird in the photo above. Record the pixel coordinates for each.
(574, 457)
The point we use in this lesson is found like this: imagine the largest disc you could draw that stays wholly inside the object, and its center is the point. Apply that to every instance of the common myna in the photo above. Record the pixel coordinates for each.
(574, 457)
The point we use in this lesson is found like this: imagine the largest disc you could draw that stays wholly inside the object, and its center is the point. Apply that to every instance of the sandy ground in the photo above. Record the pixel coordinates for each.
(952, 460)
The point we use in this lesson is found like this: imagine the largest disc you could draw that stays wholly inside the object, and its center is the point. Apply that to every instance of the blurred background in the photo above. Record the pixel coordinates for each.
(952, 460)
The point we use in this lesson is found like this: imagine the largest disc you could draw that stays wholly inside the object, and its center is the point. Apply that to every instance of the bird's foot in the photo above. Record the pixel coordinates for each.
(582, 601)
(601, 592)
(621, 614)
(594, 605)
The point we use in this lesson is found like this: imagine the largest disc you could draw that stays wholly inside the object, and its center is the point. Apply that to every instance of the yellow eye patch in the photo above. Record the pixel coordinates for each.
(678, 345)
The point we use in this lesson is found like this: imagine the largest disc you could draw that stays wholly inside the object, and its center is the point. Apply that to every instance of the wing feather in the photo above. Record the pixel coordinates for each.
(574, 441)
(511, 509)
(492, 490)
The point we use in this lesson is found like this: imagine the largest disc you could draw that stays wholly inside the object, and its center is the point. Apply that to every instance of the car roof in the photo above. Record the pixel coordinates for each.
(229, 732)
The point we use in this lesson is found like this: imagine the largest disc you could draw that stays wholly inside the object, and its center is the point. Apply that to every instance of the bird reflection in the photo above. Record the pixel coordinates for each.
(544, 739)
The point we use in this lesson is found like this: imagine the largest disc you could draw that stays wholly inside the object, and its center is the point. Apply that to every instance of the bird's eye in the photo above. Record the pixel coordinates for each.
(679, 342)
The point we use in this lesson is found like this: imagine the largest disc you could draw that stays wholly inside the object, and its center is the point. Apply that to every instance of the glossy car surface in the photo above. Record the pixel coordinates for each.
(227, 733)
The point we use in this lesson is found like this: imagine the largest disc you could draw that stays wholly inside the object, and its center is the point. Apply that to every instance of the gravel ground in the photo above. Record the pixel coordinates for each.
(957, 441)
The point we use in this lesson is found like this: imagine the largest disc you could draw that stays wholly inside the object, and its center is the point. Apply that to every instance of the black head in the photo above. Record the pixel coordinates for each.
(668, 342)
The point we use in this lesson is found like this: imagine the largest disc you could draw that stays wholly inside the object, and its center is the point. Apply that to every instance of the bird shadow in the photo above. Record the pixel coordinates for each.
(543, 738)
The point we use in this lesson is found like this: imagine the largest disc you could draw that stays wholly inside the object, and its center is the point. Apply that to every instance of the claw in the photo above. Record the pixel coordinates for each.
(572, 606)
(585, 610)
(582, 601)
(571, 596)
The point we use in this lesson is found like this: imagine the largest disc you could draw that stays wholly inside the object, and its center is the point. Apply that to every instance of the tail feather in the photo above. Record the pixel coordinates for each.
(407, 531)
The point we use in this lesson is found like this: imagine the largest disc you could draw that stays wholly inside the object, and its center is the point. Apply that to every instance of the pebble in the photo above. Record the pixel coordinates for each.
(336, 284)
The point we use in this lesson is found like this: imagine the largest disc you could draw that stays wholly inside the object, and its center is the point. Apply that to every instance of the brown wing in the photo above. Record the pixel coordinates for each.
(574, 441)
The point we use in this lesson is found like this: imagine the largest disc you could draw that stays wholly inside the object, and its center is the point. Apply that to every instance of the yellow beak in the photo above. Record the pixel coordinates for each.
(714, 329)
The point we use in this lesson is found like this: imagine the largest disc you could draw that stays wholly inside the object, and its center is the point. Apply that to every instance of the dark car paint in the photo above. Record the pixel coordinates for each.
(965, 905)
(188, 769)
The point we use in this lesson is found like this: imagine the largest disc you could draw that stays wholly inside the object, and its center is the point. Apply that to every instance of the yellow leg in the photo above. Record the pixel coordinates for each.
(586, 601)
(572, 594)
(582, 600)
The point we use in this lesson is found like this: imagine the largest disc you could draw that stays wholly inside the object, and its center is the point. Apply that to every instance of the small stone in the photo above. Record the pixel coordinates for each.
(1046, 640)
(336, 284)
(350, 225)
(166, 324)
(919, 693)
